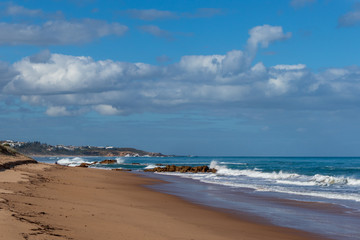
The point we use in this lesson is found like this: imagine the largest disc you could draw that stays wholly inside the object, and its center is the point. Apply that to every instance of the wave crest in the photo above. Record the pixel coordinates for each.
(120, 160)
(286, 178)
(71, 162)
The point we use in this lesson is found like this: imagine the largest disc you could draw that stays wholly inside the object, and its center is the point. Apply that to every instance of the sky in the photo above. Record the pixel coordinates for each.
(224, 78)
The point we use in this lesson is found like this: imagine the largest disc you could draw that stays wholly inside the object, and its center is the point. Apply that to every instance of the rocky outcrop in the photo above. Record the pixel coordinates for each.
(108, 162)
(182, 169)
(84, 165)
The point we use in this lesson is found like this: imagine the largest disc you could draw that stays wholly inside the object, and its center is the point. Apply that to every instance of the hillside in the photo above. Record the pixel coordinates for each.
(43, 149)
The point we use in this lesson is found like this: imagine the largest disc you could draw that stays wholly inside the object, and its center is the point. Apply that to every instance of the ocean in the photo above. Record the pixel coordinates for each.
(315, 194)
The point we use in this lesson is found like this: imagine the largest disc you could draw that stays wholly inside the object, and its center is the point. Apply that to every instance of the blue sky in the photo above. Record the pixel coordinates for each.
(183, 77)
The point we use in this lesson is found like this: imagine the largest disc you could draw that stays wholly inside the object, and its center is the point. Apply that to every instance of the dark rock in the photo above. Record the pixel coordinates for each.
(108, 162)
(182, 169)
(213, 170)
(122, 170)
(84, 165)
(135, 163)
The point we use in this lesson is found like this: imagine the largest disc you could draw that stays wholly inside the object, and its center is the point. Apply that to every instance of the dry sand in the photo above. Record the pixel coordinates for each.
(39, 201)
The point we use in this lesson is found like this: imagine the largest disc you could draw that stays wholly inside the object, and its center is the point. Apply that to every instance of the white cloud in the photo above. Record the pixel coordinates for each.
(57, 111)
(7, 74)
(150, 14)
(105, 109)
(16, 10)
(285, 81)
(264, 35)
(204, 13)
(70, 85)
(40, 57)
(290, 67)
(68, 74)
(58, 32)
(156, 31)
(155, 14)
(201, 64)
(234, 62)
(301, 3)
(349, 19)
(163, 58)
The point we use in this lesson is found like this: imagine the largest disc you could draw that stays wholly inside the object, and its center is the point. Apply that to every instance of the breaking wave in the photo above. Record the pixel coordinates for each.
(71, 162)
(120, 160)
(150, 166)
(285, 178)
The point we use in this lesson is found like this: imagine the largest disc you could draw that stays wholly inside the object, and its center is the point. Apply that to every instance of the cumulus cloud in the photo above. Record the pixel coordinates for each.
(156, 31)
(301, 3)
(264, 35)
(284, 79)
(68, 74)
(69, 85)
(58, 32)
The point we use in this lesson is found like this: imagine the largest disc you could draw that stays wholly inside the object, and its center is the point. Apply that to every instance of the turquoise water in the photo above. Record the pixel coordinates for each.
(258, 186)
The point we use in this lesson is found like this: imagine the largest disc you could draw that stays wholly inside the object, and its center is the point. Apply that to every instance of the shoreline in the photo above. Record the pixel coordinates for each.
(310, 205)
(64, 203)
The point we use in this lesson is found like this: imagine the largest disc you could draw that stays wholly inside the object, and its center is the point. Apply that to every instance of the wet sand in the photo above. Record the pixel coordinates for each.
(40, 201)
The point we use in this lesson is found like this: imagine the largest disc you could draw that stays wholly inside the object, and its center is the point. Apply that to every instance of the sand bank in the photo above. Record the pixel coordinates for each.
(54, 202)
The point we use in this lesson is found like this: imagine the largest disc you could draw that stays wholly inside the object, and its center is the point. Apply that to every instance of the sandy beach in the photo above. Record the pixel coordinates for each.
(41, 201)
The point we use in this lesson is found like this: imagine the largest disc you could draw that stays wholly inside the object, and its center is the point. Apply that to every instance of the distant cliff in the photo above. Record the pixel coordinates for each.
(43, 149)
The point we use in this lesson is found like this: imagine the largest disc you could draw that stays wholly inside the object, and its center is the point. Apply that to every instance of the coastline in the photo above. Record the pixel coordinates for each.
(74, 203)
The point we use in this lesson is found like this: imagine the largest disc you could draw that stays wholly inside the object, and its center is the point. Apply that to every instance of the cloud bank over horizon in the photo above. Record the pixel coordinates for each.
(71, 85)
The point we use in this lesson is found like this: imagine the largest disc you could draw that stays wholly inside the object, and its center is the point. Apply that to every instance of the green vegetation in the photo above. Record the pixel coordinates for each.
(38, 148)
(5, 150)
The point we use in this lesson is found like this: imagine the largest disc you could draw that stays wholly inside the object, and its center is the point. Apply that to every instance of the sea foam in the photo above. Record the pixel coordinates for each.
(71, 162)
(286, 178)
(150, 166)
(120, 160)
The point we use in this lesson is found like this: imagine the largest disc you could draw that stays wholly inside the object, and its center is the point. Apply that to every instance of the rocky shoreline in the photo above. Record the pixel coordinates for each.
(182, 169)
(159, 168)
